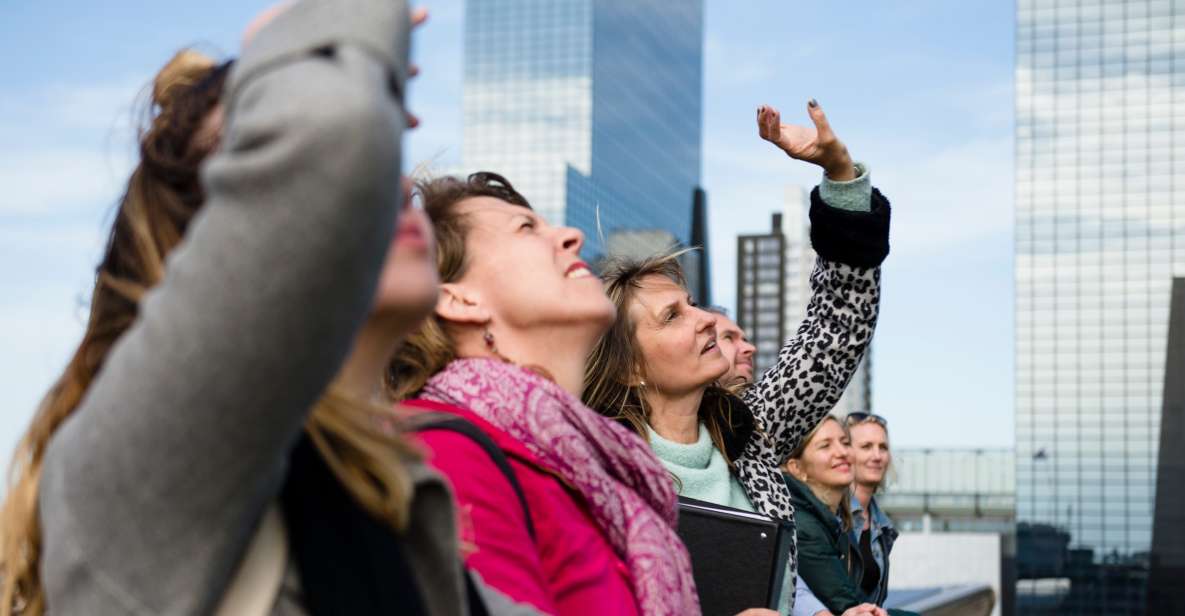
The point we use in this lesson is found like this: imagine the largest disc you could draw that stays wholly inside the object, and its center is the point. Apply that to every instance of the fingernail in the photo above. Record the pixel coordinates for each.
(812, 103)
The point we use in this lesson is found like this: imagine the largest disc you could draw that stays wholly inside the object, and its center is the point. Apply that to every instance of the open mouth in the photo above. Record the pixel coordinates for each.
(578, 269)
(709, 346)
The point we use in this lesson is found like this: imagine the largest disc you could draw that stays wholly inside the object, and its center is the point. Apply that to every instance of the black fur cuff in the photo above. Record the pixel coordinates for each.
(859, 239)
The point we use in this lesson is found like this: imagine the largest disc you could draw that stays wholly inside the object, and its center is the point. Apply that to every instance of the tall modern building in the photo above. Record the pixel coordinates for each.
(1100, 232)
(773, 290)
(592, 108)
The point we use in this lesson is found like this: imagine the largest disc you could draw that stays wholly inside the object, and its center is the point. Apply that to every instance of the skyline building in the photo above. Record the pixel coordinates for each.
(773, 290)
(591, 108)
(1100, 232)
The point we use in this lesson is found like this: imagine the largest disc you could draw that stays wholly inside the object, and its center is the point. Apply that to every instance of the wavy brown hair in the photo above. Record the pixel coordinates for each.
(430, 348)
(615, 372)
(163, 195)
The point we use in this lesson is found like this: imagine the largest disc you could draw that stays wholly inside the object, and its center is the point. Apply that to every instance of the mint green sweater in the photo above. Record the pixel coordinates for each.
(699, 468)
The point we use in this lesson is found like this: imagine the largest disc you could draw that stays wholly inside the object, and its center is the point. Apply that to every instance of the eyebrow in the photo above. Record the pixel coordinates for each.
(529, 215)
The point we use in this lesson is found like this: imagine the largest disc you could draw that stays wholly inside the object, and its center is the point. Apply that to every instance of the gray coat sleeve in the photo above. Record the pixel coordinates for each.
(151, 491)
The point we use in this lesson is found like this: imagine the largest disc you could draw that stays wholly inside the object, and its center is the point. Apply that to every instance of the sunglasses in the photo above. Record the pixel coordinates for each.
(858, 418)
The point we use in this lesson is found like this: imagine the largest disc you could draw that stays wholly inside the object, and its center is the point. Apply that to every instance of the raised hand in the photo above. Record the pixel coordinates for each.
(418, 17)
(817, 145)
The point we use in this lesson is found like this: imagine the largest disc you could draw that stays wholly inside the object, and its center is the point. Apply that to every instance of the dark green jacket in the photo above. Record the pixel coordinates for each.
(827, 561)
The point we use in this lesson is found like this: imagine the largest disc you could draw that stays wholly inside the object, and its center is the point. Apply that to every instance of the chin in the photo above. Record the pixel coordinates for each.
(601, 310)
(408, 293)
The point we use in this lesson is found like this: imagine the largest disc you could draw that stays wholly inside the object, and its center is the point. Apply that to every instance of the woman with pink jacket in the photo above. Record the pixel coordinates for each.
(561, 509)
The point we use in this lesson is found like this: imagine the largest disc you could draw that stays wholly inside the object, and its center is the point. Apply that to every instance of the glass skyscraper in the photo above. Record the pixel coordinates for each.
(1100, 232)
(592, 108)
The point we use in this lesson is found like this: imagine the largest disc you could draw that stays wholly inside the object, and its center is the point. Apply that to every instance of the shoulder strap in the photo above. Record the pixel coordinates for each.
(444, 421)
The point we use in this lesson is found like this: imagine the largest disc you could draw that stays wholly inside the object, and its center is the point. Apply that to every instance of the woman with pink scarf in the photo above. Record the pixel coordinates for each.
(562, 510)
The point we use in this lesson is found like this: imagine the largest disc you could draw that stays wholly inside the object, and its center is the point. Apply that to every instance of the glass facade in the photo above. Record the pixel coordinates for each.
(592, 108)
(1100, 231)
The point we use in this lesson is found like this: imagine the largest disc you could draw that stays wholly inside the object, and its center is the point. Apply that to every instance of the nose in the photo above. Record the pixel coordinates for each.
(707, 321)
(569, 239)
(747, 349)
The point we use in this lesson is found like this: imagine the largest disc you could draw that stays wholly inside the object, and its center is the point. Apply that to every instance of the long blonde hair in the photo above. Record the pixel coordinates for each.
(163, 195)
(613, 383)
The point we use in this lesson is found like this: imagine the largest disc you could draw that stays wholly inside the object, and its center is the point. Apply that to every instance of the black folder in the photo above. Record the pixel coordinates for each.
(738, 558)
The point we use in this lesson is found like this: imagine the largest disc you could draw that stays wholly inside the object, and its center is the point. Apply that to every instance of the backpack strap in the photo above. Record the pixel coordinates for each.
(443, 421)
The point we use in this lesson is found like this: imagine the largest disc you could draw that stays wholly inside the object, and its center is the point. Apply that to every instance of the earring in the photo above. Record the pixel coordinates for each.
(488, 337)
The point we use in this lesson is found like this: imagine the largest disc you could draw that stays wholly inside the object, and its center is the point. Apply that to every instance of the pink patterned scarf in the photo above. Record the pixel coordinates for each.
(627, 490)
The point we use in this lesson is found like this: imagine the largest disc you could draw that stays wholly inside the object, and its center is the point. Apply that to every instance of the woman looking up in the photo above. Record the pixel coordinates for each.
(201, 413)
(581, 517)
(657, 368)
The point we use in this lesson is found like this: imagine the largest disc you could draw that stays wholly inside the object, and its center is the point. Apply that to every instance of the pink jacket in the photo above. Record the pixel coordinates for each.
(569, 569)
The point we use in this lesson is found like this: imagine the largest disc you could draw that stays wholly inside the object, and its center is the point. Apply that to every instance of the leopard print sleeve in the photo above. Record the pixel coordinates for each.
(815, 365)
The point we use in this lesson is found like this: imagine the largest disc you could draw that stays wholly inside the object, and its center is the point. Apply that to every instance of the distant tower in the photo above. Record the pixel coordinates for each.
(592, 108)
(773, 290)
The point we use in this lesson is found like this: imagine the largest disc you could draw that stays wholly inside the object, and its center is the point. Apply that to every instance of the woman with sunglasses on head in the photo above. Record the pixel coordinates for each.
(872, 531)
(563, 510)
(657, 369)
(831, 568)
(216, 443)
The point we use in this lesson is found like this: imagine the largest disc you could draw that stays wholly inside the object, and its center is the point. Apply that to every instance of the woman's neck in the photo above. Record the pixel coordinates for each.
(561, 351)
(863, 492)
(832, 496)
(675, 417)
(362, 375)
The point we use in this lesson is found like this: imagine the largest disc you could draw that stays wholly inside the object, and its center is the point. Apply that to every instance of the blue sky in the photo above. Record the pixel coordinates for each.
(920, 90)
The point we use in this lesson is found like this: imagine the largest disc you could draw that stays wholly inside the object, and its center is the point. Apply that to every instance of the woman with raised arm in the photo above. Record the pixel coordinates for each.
(563, 510)
(214, 444)
(656, 370)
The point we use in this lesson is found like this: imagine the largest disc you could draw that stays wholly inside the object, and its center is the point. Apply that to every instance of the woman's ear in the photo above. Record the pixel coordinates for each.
(795, 469)
(458, 304)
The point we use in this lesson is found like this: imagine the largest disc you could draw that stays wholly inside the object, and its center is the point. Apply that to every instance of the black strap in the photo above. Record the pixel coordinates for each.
(477, 603)
(444, 421)
(349, 561)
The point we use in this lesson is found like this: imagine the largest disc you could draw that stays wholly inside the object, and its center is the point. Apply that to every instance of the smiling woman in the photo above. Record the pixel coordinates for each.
(567, 512)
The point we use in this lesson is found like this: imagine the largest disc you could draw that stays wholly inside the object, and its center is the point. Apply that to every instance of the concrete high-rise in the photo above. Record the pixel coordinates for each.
(592, 108)
(1100, 232)
(773, 291)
